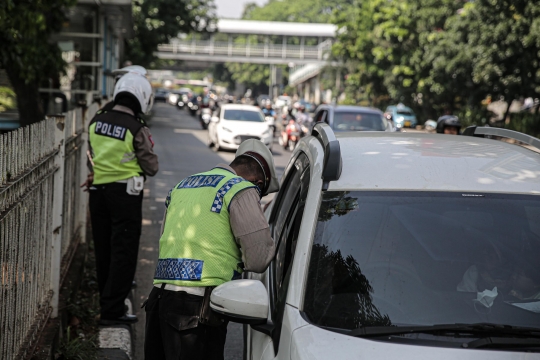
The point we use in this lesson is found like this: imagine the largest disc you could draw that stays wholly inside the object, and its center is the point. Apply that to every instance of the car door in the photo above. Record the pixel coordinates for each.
(285, 224)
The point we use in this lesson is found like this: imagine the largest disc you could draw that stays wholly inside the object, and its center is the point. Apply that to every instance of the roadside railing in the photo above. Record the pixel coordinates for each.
(42, 220)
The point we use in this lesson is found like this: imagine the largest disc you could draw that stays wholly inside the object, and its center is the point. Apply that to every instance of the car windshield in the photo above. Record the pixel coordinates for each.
(243, 115)
(358, 121)
(398, 259)
(405, 112)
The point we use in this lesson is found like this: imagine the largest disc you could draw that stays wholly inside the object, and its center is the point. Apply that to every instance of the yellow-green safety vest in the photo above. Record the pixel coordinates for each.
(197, 247)
(113, 153)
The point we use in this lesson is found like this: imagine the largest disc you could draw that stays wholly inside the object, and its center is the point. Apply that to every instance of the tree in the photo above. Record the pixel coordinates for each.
(26, 52)
(382, 44)
(504, 54)
(158, 21)
(437, 57)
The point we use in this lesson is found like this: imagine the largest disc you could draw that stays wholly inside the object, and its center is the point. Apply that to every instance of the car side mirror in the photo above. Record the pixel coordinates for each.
(214, 119)
(242, 301)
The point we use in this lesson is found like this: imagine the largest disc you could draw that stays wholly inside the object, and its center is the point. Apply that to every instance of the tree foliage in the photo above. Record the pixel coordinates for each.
(440, 55)
(27, 53)
(158, 21)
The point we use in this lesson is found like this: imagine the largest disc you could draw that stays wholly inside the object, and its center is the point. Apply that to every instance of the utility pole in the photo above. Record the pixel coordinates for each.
(272, 81)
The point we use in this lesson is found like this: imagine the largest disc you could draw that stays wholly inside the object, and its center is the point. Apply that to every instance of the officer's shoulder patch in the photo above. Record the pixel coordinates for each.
(198, 181)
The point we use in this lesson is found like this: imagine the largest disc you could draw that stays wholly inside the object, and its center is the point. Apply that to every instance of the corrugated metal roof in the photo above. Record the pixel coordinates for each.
(275, 28)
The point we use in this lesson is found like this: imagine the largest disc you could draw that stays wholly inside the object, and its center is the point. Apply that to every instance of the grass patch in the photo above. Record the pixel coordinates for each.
(80, 340)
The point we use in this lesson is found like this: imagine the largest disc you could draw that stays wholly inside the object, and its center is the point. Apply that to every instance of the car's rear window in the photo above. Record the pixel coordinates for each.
(423, 258)
(358, 121)
(242, 115)
(405, 112)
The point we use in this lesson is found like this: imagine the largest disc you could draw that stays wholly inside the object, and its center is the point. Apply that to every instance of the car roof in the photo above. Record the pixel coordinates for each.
(400, 107)
(350, 108)
(240, 107)
(435, 162)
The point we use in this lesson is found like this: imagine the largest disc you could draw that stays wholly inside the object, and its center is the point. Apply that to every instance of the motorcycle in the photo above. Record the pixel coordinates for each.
(271, 123)
(291, 135)
(182, 102)
(206, 115)
(193, 106)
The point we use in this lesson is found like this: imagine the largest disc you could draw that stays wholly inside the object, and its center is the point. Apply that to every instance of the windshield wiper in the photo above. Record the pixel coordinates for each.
(484, 329)
(497, 342)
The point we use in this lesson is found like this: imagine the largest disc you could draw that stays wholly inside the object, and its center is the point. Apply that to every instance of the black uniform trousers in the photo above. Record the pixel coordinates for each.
(173, 331)
(116, 228)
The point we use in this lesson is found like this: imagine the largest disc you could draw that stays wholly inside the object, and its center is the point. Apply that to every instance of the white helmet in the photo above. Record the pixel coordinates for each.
(258, 151)
(139, 87)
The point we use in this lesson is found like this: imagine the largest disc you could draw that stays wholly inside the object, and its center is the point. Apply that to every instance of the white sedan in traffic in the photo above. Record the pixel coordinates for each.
(232, 124)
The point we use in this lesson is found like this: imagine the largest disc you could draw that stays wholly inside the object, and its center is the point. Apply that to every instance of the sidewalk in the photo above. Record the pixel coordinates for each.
(116, 341)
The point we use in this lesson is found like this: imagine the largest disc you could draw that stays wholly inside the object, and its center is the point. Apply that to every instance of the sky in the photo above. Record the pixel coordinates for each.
(233, 8)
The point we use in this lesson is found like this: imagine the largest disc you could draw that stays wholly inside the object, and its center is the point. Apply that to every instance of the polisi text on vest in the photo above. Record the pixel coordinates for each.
(112, 131)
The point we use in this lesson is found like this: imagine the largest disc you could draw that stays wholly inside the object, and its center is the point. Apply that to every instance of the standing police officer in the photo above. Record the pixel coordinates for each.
(121, 155)
(214, 228)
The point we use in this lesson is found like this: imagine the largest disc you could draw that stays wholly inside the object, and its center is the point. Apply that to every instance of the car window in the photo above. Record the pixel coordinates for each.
(322, 116)
(318, 116)
(358, 121)
(285, 231)
(285, 199)
(242, 115)
(405, 112)
(422, 258)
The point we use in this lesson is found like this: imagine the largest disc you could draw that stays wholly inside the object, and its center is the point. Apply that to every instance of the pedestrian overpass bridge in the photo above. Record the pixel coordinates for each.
(258, 42)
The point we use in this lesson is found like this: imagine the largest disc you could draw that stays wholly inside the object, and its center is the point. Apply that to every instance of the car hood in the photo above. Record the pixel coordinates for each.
(313, 343)
(245, 127)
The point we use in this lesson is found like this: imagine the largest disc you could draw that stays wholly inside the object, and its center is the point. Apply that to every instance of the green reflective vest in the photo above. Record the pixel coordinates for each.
(197, 247)
(113, 153)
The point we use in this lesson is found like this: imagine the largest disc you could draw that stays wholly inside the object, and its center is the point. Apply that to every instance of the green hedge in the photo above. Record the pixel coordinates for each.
(525, 122)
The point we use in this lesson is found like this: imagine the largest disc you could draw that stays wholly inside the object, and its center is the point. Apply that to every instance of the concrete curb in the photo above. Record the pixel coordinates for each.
(116, 341)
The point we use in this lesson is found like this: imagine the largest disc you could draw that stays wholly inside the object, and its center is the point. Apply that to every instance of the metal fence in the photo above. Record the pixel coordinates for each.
(42, 220)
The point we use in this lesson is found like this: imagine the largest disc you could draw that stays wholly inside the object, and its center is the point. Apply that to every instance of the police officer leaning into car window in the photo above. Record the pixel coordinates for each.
(213, 229)
(120, 156)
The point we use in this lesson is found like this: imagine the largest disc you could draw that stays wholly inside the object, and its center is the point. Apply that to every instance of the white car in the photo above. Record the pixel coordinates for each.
(232, 124)
(398, 246)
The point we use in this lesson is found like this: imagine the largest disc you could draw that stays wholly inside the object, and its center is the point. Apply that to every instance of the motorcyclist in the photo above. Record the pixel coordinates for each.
(448, 124)
(301, 117)
(267, 110)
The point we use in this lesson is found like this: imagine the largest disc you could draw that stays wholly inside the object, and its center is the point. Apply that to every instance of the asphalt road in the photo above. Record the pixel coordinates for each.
(181, 147)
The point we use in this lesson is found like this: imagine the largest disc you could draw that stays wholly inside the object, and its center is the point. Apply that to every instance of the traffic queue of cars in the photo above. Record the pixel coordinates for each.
(230, 124)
